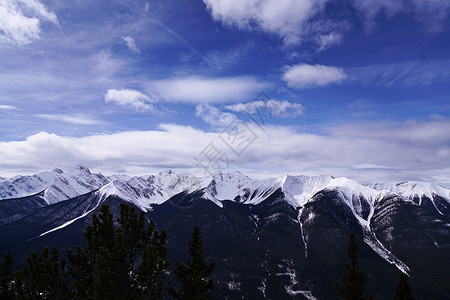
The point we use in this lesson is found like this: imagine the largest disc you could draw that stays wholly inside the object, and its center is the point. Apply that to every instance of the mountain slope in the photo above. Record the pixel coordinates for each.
(279, 237)
(54, 185)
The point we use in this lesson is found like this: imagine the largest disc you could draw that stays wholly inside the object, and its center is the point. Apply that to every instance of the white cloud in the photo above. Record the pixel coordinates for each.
(306, 76)
(216, 118)
(275, 107)
(284, 18)
(72, 119)
(327, 40)
(295, 20)
(7, 107)
(131, 44)
(128, 97)
(196, 90)
(404, 151)
(20, 20)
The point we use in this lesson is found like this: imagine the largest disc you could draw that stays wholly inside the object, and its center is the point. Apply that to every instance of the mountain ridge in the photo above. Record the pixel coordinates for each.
(288, 220)
(146, 190)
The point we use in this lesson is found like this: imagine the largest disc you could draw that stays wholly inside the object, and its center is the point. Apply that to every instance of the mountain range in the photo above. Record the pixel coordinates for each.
(276, 238)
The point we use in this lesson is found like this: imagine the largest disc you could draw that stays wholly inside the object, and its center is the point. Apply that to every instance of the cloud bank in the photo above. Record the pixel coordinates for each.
(403, 151)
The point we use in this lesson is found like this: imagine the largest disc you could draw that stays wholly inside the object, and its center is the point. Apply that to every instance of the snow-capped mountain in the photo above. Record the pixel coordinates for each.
(421, 193)
(271, 230)
(55, 185)
(145, 191)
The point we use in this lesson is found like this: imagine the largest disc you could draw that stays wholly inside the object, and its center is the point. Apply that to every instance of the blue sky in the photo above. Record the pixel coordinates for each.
(356, 88)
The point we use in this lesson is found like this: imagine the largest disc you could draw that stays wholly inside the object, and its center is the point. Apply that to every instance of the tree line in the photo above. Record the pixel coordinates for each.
(126, 259)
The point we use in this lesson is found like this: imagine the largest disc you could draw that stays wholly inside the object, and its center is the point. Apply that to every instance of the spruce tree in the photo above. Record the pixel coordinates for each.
(5, 275)
(43, 277)
(352, 287)
(195, 284)
(151, 271)
(120, 262)
(403, 290)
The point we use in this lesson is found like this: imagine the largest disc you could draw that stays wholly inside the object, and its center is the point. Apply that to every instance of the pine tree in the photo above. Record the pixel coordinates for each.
(120, 262)
(90, 267)
(403, 290)
(352, 287)
(44, 277)
(5, 275)
(151, 271)
(195, 284)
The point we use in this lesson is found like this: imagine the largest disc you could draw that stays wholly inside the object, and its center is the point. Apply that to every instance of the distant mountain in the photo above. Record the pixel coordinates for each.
(282, 237)
(55, 185)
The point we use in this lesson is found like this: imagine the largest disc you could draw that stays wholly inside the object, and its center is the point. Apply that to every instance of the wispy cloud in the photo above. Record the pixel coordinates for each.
(20, 20)
(411, 73)
(194, 89)
(327, 40)
(7, 107)
(72, 119)
(306, 76)
(131, 44)
(431, 13)
(132, 98)
(216, 118)
(281, 109)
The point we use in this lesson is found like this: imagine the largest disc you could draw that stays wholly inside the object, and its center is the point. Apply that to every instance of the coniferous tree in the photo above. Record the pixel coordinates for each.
(44, 277)
(151, 271)
(403, 290)
(352, 287)
(5, 275)
(195, 284)
(120, 262)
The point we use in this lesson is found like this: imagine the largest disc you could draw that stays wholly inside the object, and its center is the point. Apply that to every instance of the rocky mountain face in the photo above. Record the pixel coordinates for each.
(277, 238)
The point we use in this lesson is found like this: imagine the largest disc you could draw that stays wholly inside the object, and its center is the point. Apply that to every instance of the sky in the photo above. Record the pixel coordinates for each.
(356, 88)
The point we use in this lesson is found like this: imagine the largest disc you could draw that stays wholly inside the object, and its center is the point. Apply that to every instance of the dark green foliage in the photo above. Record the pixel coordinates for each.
(43, 277)
(195, 284)
(5, 275)
(108, 268)
(151, 272)
(122, 260)
(403, 289)
(352, 287)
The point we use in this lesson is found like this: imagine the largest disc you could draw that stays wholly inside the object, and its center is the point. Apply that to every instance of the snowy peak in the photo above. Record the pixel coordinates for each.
(145, 191)
(237, 187)
(421, 193)
(360, 199)
(299, 189)
(414, 190)
(56, 185)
